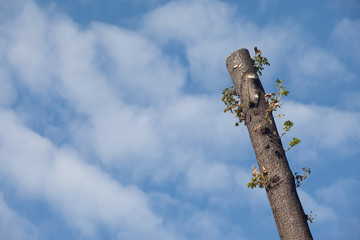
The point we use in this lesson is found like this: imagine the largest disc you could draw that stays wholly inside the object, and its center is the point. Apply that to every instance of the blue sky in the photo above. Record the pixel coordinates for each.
(112, 125)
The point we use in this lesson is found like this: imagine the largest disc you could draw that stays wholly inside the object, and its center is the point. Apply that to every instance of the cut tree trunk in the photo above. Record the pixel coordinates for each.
(291, 221)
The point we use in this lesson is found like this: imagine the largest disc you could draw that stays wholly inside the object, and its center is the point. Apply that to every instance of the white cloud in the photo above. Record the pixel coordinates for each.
(28, 47)
(321, 127)
(97, 71)
(13, 226)
(338, 192)
(209, 177)
(255, 198)
(346, 36)
(209, 34)
(312, 69)
(8, 95)
(323, 213)
(80, 82)
(316, 64)
(84, 195)
(343, 196)
(188, 21)
(204, 226)
(349, 7)
(200, 26)
(264, 4)
(127, 109)
(142, 73)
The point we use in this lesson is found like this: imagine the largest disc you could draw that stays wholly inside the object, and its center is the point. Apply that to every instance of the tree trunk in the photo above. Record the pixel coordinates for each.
(291, 221)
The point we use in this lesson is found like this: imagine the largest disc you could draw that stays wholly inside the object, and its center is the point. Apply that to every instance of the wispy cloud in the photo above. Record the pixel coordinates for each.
(319, 128)
(346, 34)
(339, 191)
(85, 195)
(104, 129)
(323, 213)
(126, 108)
(14, 226)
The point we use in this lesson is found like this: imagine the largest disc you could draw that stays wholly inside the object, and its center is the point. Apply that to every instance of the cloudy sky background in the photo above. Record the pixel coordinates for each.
(112, 125)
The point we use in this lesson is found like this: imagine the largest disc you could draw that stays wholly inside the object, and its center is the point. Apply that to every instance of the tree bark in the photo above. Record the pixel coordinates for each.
(290, 219)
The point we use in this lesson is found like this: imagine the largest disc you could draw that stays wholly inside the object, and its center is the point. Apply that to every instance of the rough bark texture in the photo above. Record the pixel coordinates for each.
(289, 215)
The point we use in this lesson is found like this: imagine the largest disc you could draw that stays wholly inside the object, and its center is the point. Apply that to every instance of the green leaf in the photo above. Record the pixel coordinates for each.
(287, 125)
(294, 142)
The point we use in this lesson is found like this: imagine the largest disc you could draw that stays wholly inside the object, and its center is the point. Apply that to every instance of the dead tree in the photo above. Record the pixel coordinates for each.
(291, 221)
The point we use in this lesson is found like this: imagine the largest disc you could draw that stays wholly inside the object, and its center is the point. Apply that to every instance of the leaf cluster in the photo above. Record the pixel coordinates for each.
(232, 101)
(258, 179)
(299, 179)
(293, 143)
(287, 126)
(310, 217)
(259, 61)
(274, 99)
